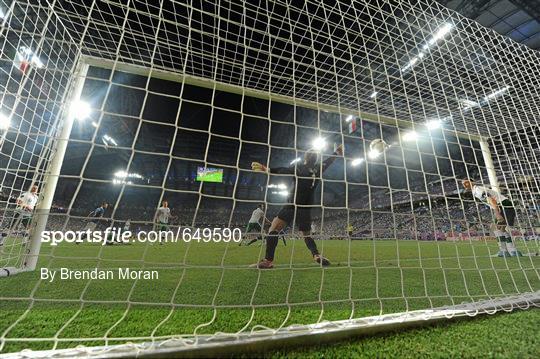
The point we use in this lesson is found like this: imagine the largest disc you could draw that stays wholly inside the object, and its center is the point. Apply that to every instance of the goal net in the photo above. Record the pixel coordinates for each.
(389, 148)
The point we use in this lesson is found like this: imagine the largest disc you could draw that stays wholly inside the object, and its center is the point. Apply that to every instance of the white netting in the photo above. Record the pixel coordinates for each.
(174, 86)
(30, 105)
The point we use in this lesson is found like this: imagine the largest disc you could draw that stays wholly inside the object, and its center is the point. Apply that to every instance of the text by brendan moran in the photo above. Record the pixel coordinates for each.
(51, 275)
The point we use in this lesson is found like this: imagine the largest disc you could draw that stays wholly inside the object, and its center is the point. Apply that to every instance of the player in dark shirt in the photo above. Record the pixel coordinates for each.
(95, 216)
(307, 177)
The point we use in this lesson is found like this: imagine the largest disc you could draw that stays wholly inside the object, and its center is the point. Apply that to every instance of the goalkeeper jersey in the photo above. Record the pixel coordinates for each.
(483, 193)
(306, 180)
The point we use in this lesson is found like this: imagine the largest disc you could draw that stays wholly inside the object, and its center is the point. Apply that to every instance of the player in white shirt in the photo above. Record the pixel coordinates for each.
(314, 229)
(127, 225)
(23, 211)
(254, 225)
(505, 215)
(161, 218)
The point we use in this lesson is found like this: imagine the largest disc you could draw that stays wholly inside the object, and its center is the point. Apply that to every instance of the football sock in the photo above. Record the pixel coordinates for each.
(312, 246)
(271, 244)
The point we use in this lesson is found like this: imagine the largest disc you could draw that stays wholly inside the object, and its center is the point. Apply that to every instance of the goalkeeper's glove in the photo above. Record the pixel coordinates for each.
(256, 166)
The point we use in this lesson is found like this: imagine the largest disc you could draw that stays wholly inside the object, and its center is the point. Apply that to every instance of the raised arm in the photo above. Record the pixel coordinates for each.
(328, 162)
(259, 167)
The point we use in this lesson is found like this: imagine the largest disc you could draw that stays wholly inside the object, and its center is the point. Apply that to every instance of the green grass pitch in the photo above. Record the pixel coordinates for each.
(209, 288)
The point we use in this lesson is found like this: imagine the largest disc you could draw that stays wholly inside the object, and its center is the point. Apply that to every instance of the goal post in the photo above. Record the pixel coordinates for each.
(490, 167)
(53, 170)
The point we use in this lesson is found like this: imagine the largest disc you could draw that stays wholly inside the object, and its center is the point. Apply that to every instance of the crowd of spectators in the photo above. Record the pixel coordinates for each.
(437, 214)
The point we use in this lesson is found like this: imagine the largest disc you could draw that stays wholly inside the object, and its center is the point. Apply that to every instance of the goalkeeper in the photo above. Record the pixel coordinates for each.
(307, 177)
(505, 215)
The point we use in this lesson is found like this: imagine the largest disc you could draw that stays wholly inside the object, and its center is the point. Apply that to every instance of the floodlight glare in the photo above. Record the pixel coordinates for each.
(443, 31)
(297, 159)
(410, 136)
(319, 144)
(4, 122)
(433, 124)
(36, 61)
(349, 118)
(374, 94)
(121, 174)
(496, 93)
(357, 161)
(79, 110)
(374, 154)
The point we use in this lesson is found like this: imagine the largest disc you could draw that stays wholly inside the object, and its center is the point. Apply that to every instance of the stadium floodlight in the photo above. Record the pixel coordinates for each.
(496, 94)
(440, 33)
(121, 174)
(318, 144)
(79, 110)
(410, 136)
(433, 124)
(108, 140)
(279, 186)
(297, 159)
(357, 161)
(4, 122)
(468, 104)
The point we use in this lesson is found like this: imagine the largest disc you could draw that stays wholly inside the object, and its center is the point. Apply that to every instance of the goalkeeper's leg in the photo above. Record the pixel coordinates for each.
(278, 223)
(509, 214)
(303, 218)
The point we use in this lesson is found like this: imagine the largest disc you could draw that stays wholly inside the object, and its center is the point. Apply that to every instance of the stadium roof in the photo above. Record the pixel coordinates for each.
(353, 56)
(516, 19)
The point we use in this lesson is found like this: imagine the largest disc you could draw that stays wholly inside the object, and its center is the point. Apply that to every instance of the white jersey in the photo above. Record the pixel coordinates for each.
(483, 193)
(256, 216)
(163, 214)
(27, 201)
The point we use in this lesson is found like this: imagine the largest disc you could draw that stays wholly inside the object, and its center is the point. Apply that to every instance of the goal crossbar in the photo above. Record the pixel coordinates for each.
(212, 84)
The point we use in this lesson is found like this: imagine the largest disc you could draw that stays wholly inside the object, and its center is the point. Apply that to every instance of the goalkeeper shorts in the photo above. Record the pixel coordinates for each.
(302, 218)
